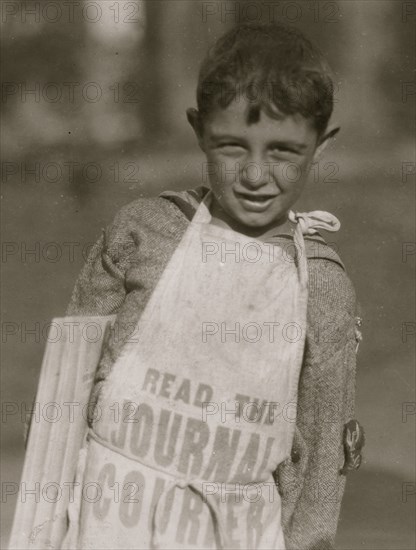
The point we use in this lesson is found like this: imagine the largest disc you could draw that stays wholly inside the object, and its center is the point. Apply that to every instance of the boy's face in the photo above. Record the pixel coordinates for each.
(256, 171)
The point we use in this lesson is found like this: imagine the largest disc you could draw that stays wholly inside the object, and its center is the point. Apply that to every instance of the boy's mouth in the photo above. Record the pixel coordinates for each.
(255, 202)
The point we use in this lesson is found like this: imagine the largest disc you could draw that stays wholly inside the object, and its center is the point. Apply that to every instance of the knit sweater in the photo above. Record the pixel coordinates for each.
(121, 273)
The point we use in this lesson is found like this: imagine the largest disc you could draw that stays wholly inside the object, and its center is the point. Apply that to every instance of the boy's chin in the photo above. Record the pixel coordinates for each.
(258, 224)
(261, 220)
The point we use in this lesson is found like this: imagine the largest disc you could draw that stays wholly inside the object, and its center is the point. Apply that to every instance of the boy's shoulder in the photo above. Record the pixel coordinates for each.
(143, 209)
(330, 286)
(145, 213)
(153, 209)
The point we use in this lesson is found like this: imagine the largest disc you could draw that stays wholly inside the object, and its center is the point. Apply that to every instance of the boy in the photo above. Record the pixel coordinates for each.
(182, 264)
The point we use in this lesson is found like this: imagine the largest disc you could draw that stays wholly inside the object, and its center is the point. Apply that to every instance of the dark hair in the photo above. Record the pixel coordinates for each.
(275, 68)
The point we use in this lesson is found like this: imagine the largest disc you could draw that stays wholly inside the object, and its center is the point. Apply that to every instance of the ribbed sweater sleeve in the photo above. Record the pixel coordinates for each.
(99, 289)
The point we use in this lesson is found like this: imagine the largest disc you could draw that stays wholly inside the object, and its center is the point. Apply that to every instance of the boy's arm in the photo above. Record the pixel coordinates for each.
(311, 482)
(100, 288)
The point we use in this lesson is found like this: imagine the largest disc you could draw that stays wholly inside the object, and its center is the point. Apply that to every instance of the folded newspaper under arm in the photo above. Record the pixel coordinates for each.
(57, 434)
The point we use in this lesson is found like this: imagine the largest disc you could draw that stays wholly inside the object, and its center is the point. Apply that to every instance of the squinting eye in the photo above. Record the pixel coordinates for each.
(230, 146)
(282, 150)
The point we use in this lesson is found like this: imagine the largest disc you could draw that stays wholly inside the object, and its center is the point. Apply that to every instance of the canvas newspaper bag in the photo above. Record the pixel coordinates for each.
(197, 415)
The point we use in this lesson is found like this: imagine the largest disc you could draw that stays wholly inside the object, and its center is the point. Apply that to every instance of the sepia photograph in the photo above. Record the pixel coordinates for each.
(208, 260)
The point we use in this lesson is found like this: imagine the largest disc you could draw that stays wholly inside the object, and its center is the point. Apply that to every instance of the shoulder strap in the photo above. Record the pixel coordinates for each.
(318, 249)
(187, 201)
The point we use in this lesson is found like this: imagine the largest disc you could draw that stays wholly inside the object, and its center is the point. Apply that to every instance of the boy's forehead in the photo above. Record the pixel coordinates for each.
(235, 120)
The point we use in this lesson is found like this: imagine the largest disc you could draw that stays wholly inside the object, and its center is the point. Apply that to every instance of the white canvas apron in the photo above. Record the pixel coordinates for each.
(195, 417)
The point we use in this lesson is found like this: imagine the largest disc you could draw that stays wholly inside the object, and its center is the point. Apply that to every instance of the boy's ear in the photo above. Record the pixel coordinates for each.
(325, 140)
(194, 119)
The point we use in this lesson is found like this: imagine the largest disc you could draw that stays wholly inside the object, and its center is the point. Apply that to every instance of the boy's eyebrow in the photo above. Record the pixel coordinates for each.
(213, 136)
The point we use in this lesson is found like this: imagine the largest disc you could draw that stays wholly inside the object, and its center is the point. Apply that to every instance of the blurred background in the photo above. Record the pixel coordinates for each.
(93, 116)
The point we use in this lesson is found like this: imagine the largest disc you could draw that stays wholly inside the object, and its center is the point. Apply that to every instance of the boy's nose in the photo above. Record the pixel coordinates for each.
(254, 174)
